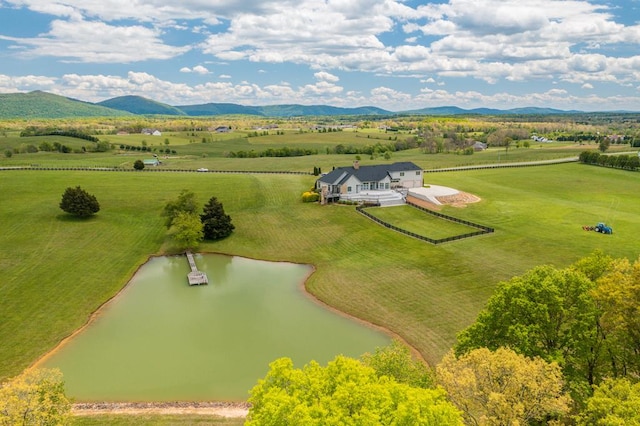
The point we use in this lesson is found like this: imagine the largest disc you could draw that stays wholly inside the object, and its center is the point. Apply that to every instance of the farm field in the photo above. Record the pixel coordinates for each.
(191, 153)
(56, 271)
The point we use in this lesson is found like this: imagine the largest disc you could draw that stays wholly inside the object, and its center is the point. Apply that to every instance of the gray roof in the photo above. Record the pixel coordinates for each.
(374, 173)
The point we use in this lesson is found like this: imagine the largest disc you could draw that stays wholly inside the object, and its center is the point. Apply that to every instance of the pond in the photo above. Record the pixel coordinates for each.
(163, 340)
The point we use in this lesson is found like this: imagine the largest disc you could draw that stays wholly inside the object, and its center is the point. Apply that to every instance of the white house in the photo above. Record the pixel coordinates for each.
(347, 182)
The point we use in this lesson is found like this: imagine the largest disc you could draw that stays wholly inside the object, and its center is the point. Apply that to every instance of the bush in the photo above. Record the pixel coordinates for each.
(78, 202)
(138, 165)
(310, 197)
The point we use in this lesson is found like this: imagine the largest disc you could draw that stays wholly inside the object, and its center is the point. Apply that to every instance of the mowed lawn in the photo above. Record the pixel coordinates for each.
(419, 222)
(55, 271)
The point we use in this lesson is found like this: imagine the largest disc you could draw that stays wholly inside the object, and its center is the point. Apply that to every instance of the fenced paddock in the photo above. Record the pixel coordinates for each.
(413, 229)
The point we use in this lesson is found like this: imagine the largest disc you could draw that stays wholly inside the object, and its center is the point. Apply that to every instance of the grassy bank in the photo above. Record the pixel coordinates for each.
(56, 270)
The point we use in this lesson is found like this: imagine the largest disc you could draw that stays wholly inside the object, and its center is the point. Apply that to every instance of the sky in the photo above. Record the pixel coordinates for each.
(397, 55)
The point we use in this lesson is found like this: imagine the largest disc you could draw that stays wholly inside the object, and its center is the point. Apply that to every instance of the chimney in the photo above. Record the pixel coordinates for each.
(356, 164)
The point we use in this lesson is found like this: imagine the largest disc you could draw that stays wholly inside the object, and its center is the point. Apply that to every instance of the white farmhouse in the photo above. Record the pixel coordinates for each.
(368, 182)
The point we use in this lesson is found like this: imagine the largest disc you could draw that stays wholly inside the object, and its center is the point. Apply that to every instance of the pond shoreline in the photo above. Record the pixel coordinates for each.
(222, 409)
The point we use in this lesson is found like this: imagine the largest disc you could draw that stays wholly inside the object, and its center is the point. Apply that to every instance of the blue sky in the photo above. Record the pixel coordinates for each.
(394, 54)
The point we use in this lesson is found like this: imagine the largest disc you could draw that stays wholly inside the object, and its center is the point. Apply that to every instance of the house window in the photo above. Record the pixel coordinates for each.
(418, 173)
(386, 185)
(348, 189)
(401, 173)
(365, 186)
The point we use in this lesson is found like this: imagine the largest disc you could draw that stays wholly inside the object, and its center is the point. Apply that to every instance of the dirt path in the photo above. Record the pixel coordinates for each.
(223, 409)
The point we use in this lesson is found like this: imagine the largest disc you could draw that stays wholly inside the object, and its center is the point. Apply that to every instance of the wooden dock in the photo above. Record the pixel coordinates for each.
(195, 277)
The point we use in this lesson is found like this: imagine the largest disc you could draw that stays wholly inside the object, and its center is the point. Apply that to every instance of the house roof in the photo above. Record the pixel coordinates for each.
(373, 173)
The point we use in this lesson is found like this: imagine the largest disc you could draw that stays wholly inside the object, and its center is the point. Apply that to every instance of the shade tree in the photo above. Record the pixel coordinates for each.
(185, 203)
(186, 230)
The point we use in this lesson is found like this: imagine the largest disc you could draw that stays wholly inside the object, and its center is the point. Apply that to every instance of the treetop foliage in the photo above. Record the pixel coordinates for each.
(185, 203)
(585, 317)
(78, 202)
(502, 387)
(186, 230)
(396, 361)
(345, 392)
(36, 397)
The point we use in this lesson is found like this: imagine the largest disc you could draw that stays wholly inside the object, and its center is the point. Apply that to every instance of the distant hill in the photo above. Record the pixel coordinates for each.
(453, 110)
(218, 109)
(318, 110)
(47, 105)
(141, 106)
(294, 110)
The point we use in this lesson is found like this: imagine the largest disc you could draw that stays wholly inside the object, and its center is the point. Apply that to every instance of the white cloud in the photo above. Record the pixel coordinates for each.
(199, 69)
(325, 76)
(26, 83)
(568, 43)
(97, 42)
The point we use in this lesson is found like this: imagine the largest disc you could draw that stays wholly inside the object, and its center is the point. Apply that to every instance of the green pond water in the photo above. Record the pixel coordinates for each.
(162, 340)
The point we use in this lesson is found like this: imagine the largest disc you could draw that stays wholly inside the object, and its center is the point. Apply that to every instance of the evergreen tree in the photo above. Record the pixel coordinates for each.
(78, 202)
(216, 223)
(138, 165)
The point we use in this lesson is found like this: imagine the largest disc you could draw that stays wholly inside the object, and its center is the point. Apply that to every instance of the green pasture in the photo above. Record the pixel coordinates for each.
(191, 153)
(55, 271)
(419, 222)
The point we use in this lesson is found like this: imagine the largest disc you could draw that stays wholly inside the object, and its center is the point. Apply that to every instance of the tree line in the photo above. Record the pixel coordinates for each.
(71, 133)
(622, 161)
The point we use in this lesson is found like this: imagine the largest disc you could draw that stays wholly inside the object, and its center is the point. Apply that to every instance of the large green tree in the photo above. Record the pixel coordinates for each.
(185, 203)
(186, 230)
(36, 397)
(503, 388)
(78, 202)
(345, 392)
(547, 313)
(217, 224)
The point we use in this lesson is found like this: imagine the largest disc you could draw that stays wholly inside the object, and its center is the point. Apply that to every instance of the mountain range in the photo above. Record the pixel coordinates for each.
(40, 104)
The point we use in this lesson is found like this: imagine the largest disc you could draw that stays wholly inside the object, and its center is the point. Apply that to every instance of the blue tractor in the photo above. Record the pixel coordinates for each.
(603, 229)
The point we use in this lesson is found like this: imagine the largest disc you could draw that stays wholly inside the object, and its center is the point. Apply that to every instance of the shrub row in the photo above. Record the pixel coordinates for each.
(626, 162)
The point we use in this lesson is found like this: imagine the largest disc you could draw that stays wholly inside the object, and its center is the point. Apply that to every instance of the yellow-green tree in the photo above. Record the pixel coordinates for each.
(618, 295)
(36, 397)
(396, 361)
(187, 230)
(614, 402)
(345, 392)
(503, 387)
